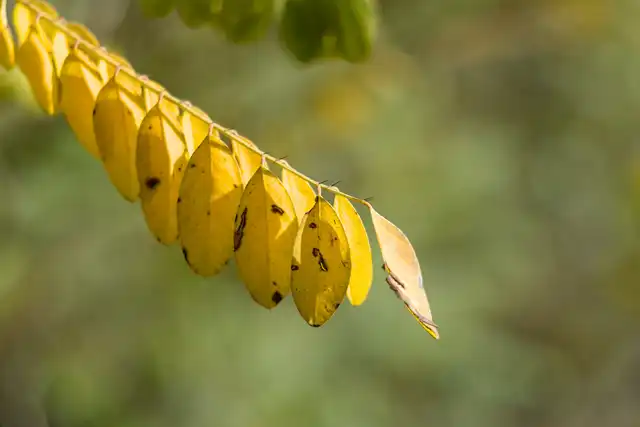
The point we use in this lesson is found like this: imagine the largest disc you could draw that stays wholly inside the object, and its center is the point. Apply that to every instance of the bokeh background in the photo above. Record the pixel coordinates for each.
(500, 135)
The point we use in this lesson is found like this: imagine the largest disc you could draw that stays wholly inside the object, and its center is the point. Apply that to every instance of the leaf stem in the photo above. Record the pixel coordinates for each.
(102, 54)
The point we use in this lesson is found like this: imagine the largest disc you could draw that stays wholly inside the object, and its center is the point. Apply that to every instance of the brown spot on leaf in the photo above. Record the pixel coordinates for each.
(276, 297)
(336, 306)
(314, 325)
(192, 165)
(313, 225)
(277, 210)
(186, 255)
(321, 261)
(152, 182)
(179, 199)
(239, 233)
(208, 213)
(323, 264)
(294, 267)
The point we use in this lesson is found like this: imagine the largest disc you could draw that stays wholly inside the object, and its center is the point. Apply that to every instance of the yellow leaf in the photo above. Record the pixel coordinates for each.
(265, 230)
(405, 276)
(24, 17)
(320, 281)
(151, 96)
(36, 64)
(249, 161)
(120, 60)
(361, 259)
(7, 48)
(59, 50)
(302, 196)
(116, 120)
(80, 84)
(83, 33)
(133, 88)
(209, 198)
(161, 159)
(62, 44)
(301, 193)
(4, 18)
(195, 129)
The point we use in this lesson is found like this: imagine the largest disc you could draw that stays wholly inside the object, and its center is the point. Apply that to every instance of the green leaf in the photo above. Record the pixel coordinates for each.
(357, 29)
(156, 8)
(246, 20)
(197, 13)
(309, 28)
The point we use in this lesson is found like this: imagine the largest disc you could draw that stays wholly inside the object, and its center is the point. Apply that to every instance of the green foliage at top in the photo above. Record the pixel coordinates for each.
(310, 30)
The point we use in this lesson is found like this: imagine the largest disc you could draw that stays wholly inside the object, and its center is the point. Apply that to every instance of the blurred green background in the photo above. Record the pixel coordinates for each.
(500, 135)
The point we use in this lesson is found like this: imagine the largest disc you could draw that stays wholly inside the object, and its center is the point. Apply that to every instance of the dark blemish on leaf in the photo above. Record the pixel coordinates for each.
(317, 199)
(294, 267)
(323, 264)
(235, 218)
(346, 264)
(321, 261)
(313, 225)
(314, 325)
(180, 169)
(186, 255)
(208, 213)
(192, 165)
(235, 186)
(239, 233)
(277, 210)
(274, 283)
(150, 127)
(152, 182)
(276, 297)
(179, 199)
(94, 111)
(336, 305)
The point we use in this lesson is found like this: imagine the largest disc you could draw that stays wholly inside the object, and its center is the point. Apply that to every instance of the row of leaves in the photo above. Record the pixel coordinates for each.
(204, 186)
(309, 29)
